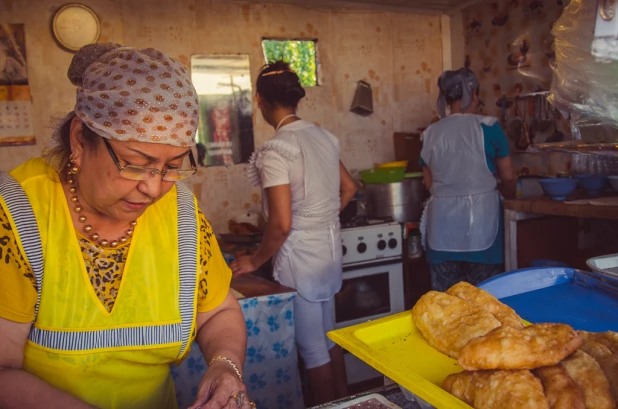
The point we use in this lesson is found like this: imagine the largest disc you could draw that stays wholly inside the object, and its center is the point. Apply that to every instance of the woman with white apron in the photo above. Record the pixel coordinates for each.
(463, 155)
(305, 186)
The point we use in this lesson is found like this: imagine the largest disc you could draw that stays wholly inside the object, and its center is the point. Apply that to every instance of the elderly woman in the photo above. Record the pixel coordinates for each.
(462, 155)
(110, 270)
(305, 186)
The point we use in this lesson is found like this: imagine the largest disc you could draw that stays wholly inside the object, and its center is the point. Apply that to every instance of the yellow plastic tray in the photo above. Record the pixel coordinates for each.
(396, 348)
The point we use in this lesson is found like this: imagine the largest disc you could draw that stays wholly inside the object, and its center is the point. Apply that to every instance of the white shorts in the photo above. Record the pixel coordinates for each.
(312, 321)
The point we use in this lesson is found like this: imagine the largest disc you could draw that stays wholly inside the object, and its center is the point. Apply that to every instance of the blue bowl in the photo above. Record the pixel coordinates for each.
(593, 184)
(558, 188)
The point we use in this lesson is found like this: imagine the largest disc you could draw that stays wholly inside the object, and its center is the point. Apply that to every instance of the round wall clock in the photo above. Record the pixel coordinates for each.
(75, 26)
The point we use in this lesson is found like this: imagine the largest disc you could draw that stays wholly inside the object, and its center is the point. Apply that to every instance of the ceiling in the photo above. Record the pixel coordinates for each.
(412, 6)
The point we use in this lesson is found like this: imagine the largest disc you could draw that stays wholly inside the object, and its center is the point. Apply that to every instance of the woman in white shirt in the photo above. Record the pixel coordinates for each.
(305, 186)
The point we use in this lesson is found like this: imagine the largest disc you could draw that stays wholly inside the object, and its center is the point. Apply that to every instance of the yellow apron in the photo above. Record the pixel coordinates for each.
(118, 359)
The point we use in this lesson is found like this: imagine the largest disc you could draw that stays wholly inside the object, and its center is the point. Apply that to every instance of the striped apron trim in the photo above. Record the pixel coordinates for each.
(27, 229)
(107, 338)
(18, 204)
(187, 247)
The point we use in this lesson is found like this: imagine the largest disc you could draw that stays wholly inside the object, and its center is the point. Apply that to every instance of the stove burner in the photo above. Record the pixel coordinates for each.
(362, 221)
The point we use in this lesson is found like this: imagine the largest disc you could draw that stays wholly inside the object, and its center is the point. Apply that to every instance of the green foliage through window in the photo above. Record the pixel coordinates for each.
(300, 54)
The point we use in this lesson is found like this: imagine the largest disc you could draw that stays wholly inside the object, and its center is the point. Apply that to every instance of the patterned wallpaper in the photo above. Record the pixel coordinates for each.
(508, 44)
(398, 54)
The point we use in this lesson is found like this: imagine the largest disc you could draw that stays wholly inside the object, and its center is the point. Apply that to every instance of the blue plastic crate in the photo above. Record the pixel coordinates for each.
(584, 300)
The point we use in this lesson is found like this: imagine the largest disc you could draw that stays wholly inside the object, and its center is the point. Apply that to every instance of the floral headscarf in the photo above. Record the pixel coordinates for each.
(134, 95)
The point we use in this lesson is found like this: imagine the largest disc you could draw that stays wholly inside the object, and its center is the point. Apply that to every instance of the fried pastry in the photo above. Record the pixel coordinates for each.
(587, 373)
(448, 322)
(560, 389)
(607, 361)
(609, 339)
(497, 389)
(462, 386)
(482, 299)
(527, 348)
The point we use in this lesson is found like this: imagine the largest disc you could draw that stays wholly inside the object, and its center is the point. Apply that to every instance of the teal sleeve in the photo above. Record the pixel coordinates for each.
(496, 138)
(421, 162)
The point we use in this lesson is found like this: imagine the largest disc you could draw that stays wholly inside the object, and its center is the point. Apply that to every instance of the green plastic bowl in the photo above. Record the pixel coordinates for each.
(382, 175)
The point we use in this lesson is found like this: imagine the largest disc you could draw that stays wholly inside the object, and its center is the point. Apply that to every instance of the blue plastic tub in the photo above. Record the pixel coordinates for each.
(541, 263)
(582, 299)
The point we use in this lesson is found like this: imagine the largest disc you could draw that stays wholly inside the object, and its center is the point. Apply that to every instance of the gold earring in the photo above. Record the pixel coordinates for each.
(73, 168)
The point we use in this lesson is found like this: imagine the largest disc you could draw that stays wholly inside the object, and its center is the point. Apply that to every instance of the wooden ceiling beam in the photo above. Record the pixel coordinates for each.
(454, 10)
(435, 8)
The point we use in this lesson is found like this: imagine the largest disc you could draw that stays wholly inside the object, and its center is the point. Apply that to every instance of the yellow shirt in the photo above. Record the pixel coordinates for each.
(105, 266)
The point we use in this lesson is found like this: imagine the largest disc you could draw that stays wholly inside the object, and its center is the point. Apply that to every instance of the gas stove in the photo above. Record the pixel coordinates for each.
(369, 240)
(362, 221)
(372, 284)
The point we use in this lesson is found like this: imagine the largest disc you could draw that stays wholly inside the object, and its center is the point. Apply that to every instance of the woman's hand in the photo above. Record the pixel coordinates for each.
(221, 389)
(243, 265)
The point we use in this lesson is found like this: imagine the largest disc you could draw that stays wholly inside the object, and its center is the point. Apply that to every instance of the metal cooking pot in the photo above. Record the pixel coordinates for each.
(403, 201)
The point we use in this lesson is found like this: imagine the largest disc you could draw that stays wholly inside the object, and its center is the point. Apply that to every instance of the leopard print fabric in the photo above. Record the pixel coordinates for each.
(10, 255)
(206, 235)
(105, 265)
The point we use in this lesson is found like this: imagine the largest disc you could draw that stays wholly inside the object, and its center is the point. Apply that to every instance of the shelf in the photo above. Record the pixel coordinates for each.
(600, 149)
(521, 97)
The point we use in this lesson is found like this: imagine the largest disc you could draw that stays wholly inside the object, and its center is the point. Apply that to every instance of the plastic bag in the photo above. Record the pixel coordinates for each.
(583, 85)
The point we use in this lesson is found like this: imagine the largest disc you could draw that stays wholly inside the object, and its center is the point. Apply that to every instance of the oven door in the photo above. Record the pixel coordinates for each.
(369, 291)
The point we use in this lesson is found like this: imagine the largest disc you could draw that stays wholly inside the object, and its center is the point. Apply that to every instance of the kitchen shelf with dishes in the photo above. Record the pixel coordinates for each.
(578, 147)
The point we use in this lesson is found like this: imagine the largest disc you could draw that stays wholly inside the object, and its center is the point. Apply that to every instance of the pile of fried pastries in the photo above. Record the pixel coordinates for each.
(509, 365)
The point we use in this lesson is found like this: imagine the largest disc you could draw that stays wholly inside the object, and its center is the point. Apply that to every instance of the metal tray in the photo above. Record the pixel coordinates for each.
(358, 402)
(604, 265)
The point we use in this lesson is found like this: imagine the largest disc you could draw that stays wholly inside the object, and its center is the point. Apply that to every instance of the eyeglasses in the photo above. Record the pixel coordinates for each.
(143, 173)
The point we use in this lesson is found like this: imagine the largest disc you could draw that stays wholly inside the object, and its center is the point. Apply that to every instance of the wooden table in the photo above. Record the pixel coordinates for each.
(516, 210)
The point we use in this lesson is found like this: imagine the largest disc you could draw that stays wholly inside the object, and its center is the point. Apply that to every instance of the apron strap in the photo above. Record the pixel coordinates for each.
(188, 245)
(19, 208)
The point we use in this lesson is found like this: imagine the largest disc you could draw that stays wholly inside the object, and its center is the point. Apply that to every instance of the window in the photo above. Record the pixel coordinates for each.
(300, 54)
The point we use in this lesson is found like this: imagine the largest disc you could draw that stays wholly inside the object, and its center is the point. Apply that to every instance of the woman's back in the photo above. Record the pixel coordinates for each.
(306, 157)
(453, 149)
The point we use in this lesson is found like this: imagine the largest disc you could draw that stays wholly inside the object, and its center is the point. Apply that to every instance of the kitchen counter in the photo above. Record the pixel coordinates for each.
(250, 285)
(519, 210)
(271, 366)
(546, 206)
